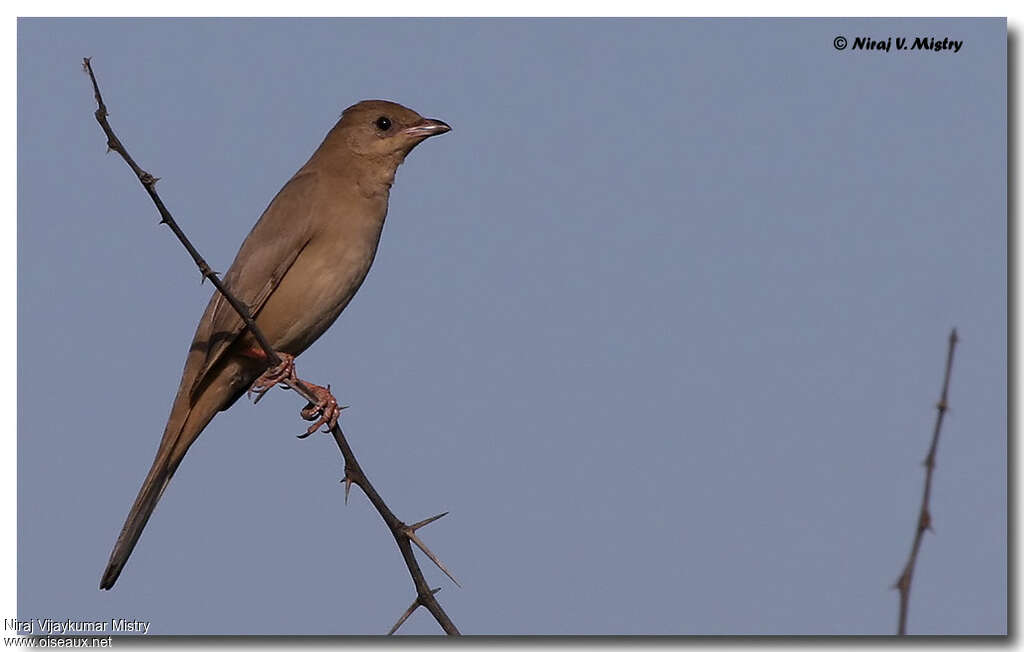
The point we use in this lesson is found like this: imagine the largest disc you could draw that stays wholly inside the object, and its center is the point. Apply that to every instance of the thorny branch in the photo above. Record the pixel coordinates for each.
(924, 518)
(405, 535)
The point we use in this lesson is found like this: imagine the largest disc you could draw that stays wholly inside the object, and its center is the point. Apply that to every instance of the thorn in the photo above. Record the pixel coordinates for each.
(416, 526)
(926, 521)
(901, 583)
(348, 485)
(409, 532)
(404, 617)
(408, 612)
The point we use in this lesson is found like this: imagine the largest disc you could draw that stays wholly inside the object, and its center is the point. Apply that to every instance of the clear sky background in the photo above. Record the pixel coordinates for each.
(661, 323)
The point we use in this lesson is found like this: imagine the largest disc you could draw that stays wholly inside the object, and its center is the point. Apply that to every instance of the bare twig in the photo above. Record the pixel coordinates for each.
(148, 182)
(354, 474)
(924, 519)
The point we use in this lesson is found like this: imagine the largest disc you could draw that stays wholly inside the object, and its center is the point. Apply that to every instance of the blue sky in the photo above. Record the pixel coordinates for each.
(661, 323)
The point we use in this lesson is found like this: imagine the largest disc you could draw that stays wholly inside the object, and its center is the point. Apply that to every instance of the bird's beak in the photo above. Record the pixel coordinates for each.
(426, 128)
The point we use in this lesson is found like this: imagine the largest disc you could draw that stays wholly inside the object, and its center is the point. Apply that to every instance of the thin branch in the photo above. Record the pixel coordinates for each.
(148, 182)
(353, 472)
(924, 518)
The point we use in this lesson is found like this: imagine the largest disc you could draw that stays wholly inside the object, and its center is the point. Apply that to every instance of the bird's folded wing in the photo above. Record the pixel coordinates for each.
(269, 250)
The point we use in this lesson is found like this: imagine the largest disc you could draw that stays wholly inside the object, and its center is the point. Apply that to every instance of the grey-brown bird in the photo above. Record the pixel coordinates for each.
(297, 270)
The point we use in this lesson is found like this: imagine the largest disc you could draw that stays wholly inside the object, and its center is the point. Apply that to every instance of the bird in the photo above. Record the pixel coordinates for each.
(296, 271)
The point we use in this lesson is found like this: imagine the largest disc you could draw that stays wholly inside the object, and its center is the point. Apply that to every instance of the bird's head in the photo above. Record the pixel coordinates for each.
(385, 130)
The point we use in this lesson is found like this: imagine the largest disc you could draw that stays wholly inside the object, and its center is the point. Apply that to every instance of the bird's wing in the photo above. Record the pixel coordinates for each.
(269, 250)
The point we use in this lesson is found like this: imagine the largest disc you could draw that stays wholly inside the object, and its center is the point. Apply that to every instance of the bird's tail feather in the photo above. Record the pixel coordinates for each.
(188, 418)
(152, 488)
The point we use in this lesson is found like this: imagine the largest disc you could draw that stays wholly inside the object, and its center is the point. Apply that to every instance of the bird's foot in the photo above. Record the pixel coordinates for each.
(324, 412)
(279, 374)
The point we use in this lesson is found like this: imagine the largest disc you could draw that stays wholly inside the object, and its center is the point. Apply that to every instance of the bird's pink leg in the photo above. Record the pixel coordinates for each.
(279, 374)
(324, 411)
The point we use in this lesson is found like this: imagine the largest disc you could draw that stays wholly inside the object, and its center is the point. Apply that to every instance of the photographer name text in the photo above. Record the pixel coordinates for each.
(929, 43)
(50, 627)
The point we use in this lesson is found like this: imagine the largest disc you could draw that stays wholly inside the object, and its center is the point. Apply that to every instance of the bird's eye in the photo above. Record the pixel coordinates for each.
(383, 123)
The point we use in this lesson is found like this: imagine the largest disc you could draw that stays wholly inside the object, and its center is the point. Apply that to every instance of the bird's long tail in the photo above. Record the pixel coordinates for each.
(189, 416)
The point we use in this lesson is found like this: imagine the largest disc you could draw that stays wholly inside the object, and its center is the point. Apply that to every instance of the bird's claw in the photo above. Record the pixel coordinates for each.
(324, 412)
(279, 374)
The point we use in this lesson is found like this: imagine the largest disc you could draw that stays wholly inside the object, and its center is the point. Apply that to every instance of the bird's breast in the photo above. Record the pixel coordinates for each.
(318, 286)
